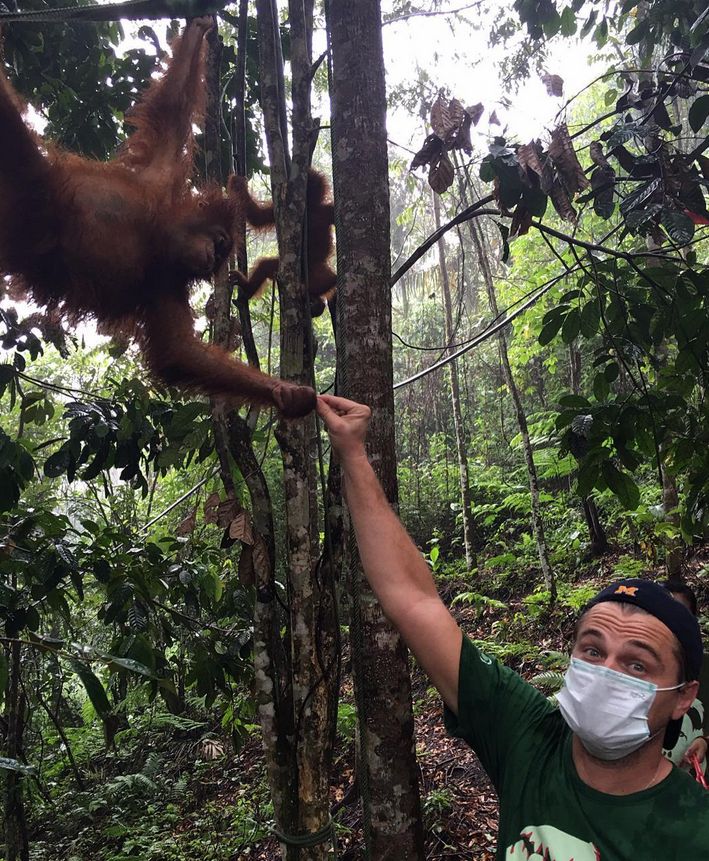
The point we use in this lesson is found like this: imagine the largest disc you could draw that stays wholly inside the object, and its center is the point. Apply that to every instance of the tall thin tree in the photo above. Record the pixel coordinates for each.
(388, 775)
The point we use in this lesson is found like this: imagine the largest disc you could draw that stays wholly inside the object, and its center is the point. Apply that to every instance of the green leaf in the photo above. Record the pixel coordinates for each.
(611, 372)
(622, 485)
(58, 463)
(571, 327)
(129, 664)
(601, 389)
(94, 689)
(590, 318)
(679, 226)
(568, 22)
(637, 33)
(574, 401)
(550, 331)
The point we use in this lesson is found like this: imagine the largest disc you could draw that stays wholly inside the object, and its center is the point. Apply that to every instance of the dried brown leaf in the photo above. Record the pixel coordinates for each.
(562, 202)
(441, 175)
(245, 570)
(554, 84)
(521, 221)
(531, 156)
(240, 528)
(562, 153)
(429, 152)
(446, 117)
(211, 504)
(262, 565)
(597, 156)
(234, 335)
(440, 117)
(227, 511)
(603, 185)
(186, 527)
(475, 112)
(462, 140)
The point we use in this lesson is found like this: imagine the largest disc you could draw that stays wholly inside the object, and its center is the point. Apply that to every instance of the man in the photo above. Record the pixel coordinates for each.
(587, 781)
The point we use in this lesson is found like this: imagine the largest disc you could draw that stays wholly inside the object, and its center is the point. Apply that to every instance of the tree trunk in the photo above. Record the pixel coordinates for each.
(670, 502)
(537, 522)
(388, 778)
(233, 441)
(16, 842)
(599, 542)
(312, 620)
(460, 434)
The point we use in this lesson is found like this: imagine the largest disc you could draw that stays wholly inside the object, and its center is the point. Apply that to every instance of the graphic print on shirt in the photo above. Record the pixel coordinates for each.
(546, 843)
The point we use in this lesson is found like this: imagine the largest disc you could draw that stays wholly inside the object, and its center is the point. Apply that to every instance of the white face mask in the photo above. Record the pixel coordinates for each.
(607, 710)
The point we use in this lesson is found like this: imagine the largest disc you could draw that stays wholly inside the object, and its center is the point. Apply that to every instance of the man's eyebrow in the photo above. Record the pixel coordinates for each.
(590, 632)
(639, 644)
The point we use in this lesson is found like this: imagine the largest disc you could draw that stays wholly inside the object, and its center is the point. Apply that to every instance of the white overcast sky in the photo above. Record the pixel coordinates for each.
(457, 56)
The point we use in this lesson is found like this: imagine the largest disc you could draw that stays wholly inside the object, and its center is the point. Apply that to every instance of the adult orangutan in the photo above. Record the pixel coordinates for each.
(123, 241)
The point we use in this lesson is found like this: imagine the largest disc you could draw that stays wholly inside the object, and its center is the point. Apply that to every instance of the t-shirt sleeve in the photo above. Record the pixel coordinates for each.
(496, 709)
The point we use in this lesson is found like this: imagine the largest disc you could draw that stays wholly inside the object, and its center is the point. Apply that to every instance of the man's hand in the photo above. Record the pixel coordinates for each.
(346, 423)
(698, 746)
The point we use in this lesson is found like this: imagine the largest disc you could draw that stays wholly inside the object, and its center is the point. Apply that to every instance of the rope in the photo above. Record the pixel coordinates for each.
(487, 333)
(131, 9)
(314, 838)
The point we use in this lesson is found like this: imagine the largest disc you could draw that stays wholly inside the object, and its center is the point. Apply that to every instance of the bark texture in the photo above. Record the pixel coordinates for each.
(311, 627)
(388, 775)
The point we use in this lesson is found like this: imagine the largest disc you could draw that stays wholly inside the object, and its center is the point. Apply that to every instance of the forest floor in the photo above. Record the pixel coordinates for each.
(458, 800)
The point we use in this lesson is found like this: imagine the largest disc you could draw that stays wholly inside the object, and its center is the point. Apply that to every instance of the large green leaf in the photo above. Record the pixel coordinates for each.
(94, 689)
(622, 485)
(679, 226)
(129, 664)
(699, 112)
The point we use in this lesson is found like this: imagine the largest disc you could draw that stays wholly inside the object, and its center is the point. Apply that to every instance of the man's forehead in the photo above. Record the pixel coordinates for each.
(617, 619)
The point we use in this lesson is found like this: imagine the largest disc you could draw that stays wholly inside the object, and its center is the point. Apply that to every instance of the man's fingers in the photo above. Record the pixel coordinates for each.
(340, 405)
(323, 408)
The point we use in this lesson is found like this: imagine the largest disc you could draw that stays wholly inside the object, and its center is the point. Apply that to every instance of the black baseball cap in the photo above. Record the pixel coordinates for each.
(657, 601)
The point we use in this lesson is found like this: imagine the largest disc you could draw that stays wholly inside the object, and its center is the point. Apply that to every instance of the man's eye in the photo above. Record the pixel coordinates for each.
(637, 667)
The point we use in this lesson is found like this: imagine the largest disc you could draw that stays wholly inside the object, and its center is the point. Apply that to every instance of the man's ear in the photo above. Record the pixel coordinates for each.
(687, 695)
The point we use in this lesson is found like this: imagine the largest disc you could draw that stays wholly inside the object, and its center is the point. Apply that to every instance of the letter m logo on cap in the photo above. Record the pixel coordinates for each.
(626, 590)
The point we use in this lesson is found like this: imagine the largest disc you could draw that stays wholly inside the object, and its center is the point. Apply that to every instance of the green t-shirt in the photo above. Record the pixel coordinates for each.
(546, 811)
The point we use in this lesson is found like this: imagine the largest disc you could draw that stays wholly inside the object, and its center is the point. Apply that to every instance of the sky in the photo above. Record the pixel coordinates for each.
(455, 53)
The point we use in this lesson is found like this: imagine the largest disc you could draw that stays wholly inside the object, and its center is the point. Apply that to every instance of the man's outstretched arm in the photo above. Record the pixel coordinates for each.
(392, 563)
